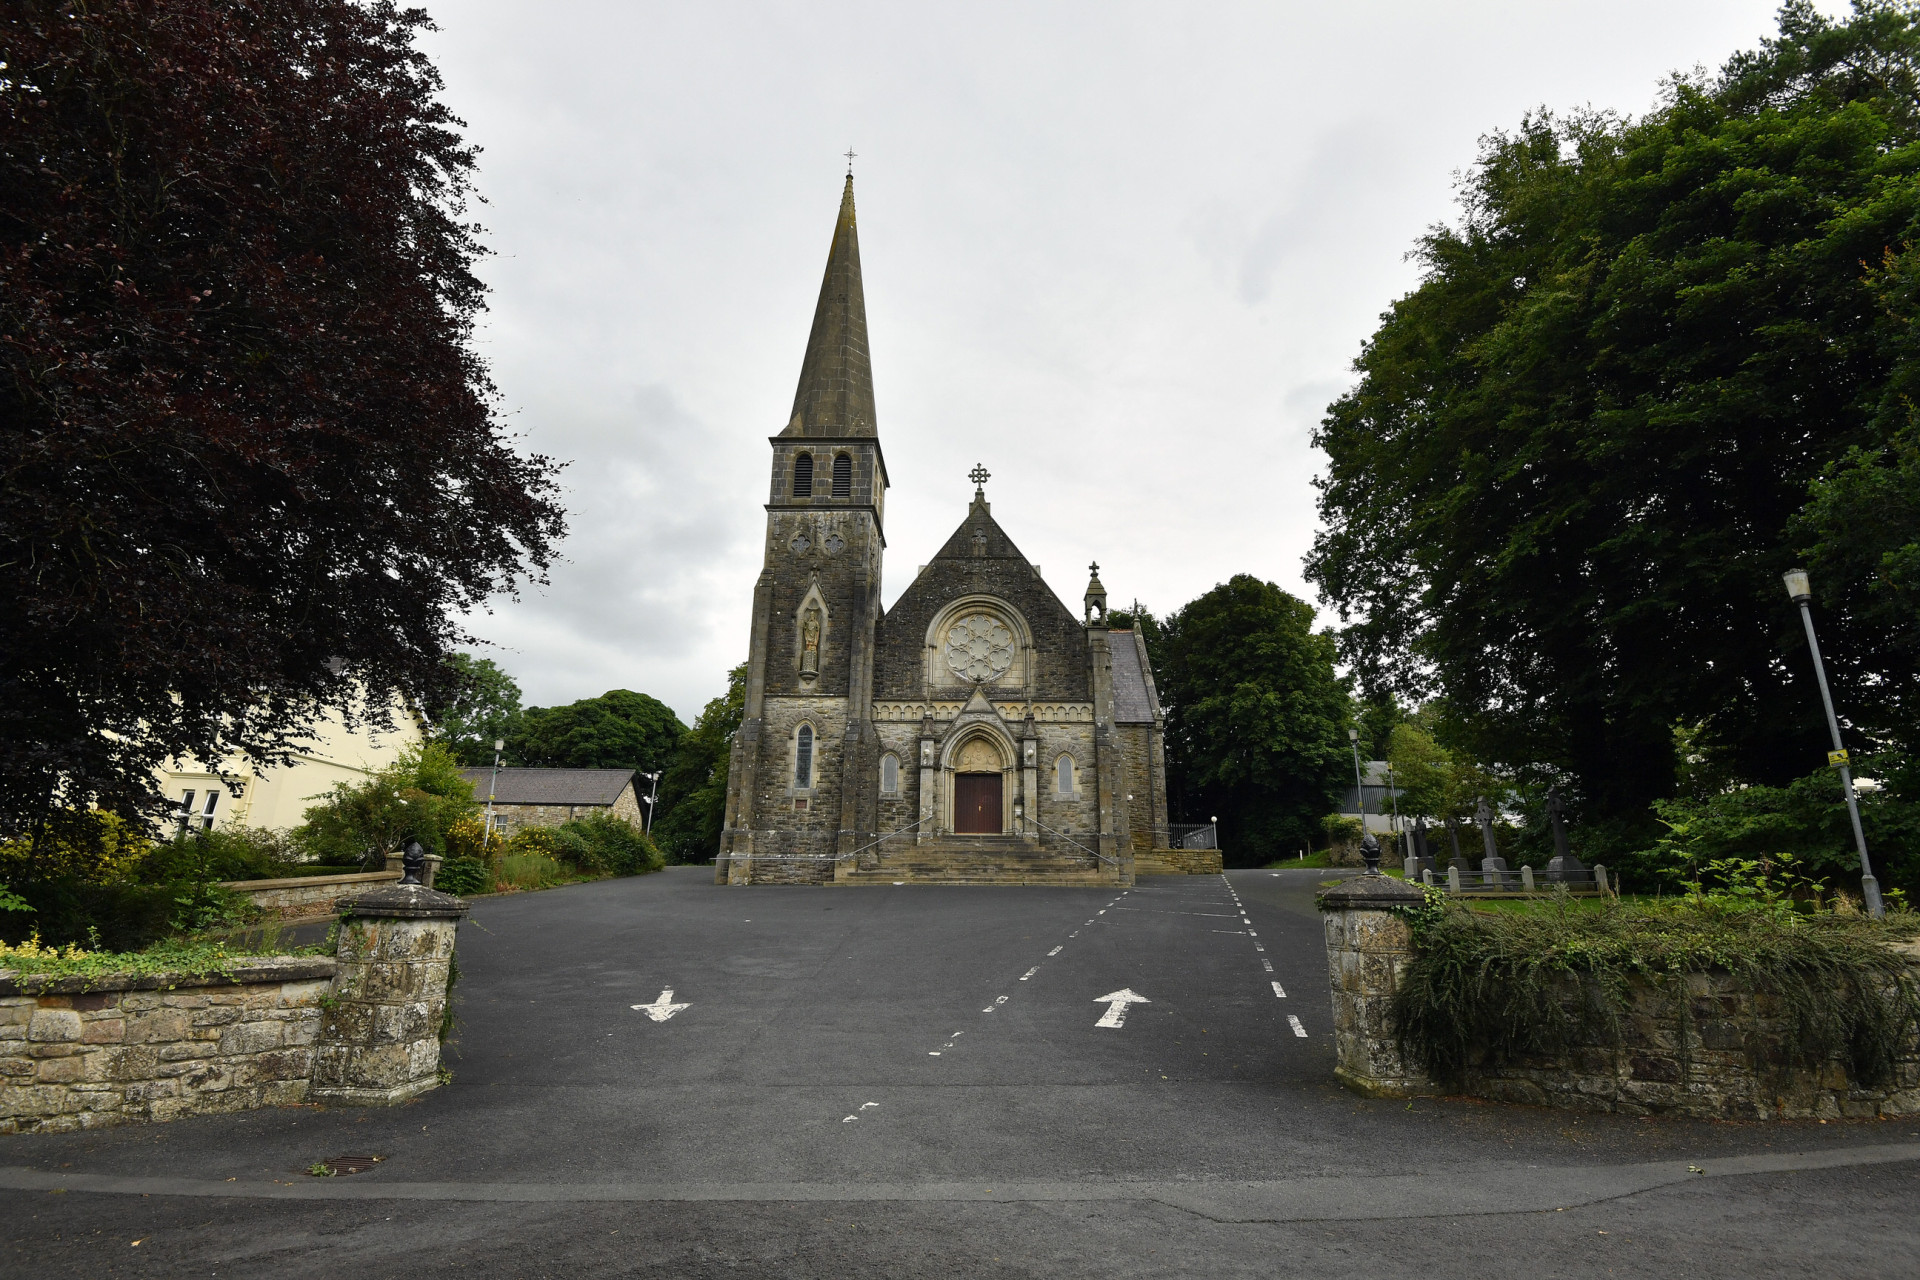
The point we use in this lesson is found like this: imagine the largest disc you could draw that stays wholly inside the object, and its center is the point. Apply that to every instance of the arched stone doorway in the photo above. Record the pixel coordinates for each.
(979, 788)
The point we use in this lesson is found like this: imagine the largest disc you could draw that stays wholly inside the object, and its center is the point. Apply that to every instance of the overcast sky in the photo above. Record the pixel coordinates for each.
(1122, 254)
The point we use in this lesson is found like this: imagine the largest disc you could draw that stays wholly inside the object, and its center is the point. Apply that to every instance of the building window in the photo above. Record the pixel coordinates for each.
(803, 757)
(842, 475)
(204, 817)
(803, 476)
(1063, 775)
(890, 774)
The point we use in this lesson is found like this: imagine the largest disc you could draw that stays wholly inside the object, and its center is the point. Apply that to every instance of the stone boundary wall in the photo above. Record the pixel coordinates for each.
(1177, 862)
(1717, 1060)
(1701, 1063)
(303, 897)
(79, 1054)
(359, 1028)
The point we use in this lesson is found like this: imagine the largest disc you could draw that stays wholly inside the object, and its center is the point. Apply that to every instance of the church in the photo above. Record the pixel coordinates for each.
(979, 731)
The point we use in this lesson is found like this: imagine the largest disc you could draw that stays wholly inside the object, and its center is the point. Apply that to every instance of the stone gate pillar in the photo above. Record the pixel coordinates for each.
(380, 1031)
(1368, 948)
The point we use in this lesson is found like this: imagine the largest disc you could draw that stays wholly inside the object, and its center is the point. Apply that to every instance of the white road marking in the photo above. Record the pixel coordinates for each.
(1029, 973)
(1268, 965)
(1117, 1002)
(1238, 933)
(1279, 990)
(933, 1053)
(849, 1119)
(1057, 950)
(663, 1008)
(997, 1002)
(863, 1106)
(1252, 934)
(1258, 947)
(1298, 1030)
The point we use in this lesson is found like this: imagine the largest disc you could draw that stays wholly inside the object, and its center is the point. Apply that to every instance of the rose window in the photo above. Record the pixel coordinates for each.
(979, 648)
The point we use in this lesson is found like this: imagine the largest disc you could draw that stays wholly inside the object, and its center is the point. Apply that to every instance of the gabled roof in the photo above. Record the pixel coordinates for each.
(550, 786)
(835, 395)
(1133, 697)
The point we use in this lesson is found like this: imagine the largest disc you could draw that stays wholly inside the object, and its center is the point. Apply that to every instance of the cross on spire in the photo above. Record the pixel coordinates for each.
(851, 153)
(979, 475)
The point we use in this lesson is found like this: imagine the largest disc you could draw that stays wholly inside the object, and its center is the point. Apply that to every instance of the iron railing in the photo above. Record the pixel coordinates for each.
(1185, 835)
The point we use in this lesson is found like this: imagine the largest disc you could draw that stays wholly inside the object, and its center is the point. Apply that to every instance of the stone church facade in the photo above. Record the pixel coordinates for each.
(977, 731)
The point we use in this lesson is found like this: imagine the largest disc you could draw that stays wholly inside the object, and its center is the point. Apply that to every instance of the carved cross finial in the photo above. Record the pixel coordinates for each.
(850, 155)
(979, 475)
(1094, 568)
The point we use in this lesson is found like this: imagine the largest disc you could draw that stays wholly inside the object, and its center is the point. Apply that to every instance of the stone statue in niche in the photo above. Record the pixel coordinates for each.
(810, 644)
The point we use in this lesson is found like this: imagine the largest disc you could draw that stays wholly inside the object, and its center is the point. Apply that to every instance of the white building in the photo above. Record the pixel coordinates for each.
(245, 796)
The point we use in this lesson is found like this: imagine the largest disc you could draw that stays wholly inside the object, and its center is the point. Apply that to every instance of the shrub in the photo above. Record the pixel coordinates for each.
(94, 846)
(615, 845)
(421, 796)
(463, 876)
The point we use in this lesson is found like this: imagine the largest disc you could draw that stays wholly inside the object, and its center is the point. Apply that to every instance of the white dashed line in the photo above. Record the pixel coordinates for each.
(1057, 950)
(997, 1002)
(1029, 973)
(1279, 991)
(1298, 1030)
(1267, 965)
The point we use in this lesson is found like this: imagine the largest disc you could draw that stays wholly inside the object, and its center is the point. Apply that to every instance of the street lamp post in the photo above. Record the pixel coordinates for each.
(1393, 789)
(499, 745)
(646, 824)
(1802, 593)
(1359, 787)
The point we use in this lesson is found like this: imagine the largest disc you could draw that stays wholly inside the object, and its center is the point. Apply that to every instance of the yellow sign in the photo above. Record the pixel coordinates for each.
(1837, 757)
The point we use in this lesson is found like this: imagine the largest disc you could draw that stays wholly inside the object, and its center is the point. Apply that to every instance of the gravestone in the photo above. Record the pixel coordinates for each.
(1455, 863)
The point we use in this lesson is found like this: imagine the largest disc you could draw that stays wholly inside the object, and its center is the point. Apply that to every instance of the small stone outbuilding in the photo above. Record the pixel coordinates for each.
(529, 797)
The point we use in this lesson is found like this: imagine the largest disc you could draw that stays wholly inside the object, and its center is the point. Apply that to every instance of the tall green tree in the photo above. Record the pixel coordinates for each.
(1256, 718)
(481, 706)
(1567, 482)
(620, 729)
(693, 794)
(254, 468)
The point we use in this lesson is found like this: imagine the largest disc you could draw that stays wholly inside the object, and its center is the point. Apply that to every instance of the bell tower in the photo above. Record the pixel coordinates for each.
(796, 785)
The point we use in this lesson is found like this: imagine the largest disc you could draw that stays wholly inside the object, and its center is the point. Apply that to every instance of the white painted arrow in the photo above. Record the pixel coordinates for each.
(1117, 1002)
(663, 1008)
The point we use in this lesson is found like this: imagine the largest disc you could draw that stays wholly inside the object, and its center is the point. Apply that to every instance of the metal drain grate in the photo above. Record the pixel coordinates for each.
(334, 1166)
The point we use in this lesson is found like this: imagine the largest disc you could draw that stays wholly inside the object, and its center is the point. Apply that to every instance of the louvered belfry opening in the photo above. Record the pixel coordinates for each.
(842, 475)
(803, 476)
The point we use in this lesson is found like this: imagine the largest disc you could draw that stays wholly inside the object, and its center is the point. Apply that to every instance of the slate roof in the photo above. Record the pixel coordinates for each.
(835, 395)
(1133, 700)
(550, 786)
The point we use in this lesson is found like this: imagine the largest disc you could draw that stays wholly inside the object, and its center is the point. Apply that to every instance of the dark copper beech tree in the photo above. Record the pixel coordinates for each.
(252, 467)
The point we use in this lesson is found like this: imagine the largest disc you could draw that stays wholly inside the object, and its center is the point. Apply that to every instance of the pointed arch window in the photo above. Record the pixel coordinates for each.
(842, 475)
(803, 757)
(1063, 775)
(803, 476)
(890, 774)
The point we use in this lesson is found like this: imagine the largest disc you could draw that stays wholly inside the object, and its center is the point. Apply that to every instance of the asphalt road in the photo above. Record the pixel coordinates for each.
(915, 1081)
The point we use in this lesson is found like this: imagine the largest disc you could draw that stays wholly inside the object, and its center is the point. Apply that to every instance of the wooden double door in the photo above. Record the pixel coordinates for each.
(976, 803)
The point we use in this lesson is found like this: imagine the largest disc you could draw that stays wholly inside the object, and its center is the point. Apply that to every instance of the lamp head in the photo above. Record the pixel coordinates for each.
(1353, 736)
(1797, 585)
(499, 744)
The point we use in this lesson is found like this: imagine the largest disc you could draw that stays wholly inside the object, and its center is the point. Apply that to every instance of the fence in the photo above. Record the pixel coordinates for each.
(1185, 835)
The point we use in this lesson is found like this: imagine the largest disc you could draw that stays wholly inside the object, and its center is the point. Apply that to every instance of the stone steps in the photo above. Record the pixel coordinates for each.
(982, 860)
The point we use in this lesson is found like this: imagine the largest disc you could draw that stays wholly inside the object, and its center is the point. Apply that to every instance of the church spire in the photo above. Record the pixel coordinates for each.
(835, 396)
